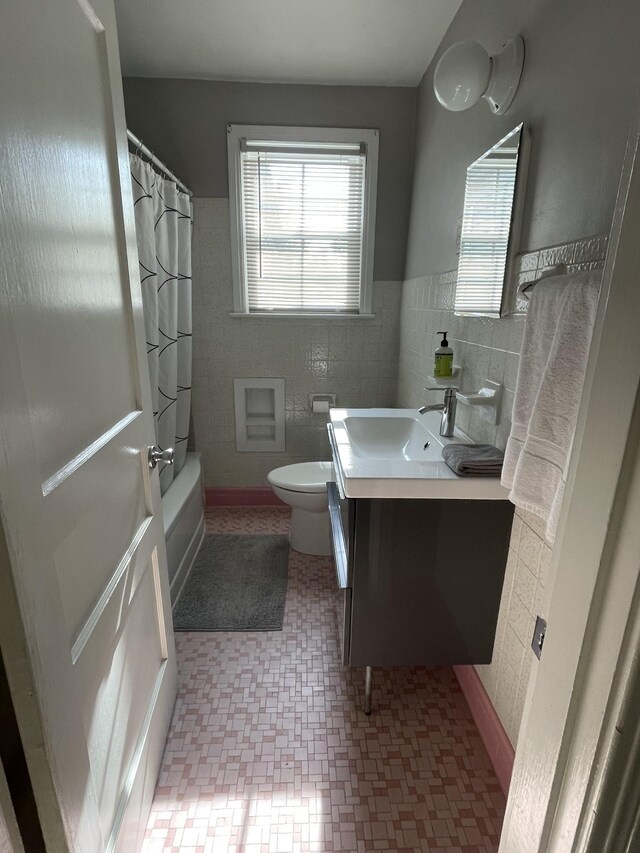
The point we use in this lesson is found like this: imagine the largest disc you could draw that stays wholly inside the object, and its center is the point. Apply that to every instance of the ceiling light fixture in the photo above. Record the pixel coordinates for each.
(465, 73)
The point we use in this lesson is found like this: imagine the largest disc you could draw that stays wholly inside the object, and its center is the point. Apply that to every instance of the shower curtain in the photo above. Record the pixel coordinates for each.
(163, 226)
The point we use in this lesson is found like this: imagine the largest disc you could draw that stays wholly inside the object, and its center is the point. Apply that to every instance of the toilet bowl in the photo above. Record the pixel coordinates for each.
(304, 487)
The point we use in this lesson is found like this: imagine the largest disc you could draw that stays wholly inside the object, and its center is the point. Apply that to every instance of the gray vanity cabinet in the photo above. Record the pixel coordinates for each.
(419, 581)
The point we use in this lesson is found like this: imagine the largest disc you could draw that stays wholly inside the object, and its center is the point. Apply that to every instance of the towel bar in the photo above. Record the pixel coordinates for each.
(545, 272)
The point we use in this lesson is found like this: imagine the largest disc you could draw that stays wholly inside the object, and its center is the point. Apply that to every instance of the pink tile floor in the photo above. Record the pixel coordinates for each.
(269, 751)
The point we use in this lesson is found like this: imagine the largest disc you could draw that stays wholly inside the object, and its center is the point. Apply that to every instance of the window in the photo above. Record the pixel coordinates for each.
(302, 219)
(489, 221)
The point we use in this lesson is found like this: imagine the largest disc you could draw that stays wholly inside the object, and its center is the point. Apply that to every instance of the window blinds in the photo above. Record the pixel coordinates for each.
(488, 204)
(303, 220)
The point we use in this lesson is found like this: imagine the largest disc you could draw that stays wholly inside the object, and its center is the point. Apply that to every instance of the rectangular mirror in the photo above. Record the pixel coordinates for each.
(490, 222)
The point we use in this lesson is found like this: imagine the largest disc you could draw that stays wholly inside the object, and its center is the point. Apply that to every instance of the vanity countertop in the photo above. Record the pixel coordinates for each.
(397, 453)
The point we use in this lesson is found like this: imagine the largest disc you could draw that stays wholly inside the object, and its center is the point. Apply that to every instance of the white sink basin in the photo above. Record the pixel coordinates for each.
(397, 453)
(399, 437)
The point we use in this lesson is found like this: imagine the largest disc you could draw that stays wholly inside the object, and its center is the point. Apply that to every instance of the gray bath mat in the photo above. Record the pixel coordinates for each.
(237, 583)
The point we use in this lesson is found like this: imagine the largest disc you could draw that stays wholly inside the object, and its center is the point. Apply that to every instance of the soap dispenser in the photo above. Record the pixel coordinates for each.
(443, 362)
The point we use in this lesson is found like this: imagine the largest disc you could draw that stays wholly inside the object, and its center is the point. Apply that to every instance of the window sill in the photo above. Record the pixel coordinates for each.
(301, 315)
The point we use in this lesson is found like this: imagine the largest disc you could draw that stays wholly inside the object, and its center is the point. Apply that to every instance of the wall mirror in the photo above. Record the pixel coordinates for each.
(491, 221)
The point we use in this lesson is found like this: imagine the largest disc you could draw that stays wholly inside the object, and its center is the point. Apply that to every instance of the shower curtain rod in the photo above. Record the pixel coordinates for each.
(141, 147)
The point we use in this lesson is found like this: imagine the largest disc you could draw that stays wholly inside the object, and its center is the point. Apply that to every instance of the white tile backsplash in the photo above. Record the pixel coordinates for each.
(353, 358)
(490, 348)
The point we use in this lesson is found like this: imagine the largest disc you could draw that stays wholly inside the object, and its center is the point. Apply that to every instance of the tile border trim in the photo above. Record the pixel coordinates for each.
(494, 737)
(578, 255)
(241, 496)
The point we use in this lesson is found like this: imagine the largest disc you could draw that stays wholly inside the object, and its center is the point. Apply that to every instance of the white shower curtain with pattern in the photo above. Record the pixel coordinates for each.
(163, 227)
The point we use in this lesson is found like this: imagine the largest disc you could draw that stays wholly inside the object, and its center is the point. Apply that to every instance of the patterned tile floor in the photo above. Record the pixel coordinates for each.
(269, 751)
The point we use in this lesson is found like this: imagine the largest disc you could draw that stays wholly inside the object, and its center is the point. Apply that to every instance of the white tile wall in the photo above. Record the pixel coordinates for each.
(355, 359)
(490, 348)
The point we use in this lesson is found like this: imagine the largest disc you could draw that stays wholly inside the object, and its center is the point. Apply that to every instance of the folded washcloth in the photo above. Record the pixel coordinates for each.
(473, 460)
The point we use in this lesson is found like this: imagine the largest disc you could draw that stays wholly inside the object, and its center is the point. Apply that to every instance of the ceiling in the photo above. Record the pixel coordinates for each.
(336, 42)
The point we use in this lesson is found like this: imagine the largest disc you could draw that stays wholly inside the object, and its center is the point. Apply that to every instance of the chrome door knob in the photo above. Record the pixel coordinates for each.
(156, 454)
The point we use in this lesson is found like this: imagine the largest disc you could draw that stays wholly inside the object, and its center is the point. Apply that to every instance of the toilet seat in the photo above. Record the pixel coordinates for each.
(309, 477)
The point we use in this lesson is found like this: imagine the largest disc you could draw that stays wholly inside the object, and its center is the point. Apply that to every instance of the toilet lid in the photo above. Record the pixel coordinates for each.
(303, 476)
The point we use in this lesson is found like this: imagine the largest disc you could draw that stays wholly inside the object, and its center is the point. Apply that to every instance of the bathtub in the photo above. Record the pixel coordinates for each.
(183, 513)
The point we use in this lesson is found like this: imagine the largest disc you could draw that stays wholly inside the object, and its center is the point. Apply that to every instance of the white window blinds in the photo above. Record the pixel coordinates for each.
(302, 225)
(488, 204)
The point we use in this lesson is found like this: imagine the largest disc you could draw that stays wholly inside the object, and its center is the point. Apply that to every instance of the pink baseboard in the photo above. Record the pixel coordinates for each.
(491, 731)
(255, 496)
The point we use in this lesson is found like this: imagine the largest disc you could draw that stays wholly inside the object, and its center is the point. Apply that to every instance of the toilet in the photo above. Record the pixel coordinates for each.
(304, 487)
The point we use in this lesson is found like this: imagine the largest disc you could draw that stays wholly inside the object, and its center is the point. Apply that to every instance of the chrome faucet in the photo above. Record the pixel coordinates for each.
(448, 408)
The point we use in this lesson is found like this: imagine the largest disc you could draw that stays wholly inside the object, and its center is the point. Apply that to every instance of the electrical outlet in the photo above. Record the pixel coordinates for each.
(538, 636)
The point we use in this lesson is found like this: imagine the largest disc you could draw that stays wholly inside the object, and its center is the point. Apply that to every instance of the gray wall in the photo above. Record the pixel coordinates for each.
(184, 122)
(578, 93)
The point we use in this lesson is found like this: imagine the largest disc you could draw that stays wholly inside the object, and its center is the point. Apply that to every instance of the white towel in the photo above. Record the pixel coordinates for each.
(555, 349)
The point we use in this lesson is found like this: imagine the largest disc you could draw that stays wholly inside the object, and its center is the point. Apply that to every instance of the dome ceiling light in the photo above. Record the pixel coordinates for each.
(465, 73)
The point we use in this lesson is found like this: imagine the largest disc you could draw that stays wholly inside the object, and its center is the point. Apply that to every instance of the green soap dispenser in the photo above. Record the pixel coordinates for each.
(443, 362)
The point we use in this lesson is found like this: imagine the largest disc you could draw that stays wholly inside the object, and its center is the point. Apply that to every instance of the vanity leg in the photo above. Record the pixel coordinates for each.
(368, 678)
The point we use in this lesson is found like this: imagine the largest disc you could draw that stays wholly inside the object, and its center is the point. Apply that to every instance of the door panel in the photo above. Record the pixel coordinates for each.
(119, 686)
(101, 537)
(86, 630)
(85, 242)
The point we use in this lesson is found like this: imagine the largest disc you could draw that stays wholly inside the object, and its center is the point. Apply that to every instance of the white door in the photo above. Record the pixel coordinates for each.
(84, 607)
